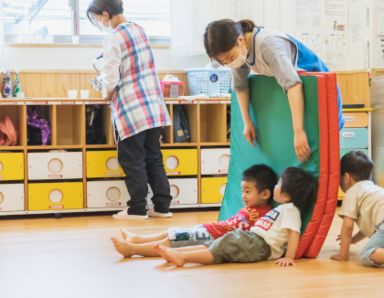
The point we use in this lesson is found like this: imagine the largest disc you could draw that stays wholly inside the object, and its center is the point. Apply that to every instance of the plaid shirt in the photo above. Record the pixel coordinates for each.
(129, 69)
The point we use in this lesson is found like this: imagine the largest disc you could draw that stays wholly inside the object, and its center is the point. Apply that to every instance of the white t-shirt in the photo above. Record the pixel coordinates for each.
(275, 225)
(364, 202)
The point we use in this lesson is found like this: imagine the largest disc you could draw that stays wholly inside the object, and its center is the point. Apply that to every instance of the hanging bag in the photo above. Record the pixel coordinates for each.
(8, 133)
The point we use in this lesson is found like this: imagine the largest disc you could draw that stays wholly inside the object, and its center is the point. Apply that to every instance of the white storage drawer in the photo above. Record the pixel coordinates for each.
(11, 197)
(183, 191)
(215, 161)
(55, 165)
(107, 194)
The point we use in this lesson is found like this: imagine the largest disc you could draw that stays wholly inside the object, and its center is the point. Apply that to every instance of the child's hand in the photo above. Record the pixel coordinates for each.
(285, 262)
(338, 257)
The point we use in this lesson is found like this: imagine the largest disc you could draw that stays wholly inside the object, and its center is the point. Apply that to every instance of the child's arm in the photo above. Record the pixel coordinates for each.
(293, 244)
(346, 238)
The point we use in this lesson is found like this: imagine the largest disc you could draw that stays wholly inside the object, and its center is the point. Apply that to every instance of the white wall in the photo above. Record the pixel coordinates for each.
(361, 50)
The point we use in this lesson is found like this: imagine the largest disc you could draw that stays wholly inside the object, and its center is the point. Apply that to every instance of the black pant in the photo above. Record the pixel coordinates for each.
(142, 161)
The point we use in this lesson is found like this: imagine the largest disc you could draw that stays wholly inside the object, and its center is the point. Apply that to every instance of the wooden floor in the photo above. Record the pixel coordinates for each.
(73, 257)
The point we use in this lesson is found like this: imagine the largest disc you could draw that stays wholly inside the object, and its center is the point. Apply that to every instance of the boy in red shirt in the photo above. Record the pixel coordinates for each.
(257, 187)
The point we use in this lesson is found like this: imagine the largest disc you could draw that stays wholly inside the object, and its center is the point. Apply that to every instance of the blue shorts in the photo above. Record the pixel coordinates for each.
(376, 241)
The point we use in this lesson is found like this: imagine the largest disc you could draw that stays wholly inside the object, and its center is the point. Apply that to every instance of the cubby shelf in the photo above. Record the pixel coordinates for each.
(72, 191)
(69, 175)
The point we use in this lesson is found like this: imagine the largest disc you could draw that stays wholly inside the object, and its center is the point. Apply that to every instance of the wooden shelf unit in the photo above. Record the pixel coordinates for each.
(65, 179)
(356, 134)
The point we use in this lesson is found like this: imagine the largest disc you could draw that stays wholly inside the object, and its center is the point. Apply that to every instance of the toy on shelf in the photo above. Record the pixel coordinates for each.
(17, 91)
(6, 89)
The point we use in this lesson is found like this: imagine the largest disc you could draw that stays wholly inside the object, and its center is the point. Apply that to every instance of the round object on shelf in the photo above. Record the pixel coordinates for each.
(55, 166)
(56, 196)
(172, 162)
(224, 161)
(175, 191)
(113, 194)
(112, 164)
(1, 198)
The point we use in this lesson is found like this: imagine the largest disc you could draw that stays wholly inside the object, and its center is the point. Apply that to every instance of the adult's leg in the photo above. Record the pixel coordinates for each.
(157, 177)
(131, 156)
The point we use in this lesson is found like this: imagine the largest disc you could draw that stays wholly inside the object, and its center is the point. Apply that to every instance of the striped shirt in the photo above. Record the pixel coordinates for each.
(129, 69)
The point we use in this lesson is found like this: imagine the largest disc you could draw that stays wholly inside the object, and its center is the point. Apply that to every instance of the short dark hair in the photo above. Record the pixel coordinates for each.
(263, 176)
(357, 164)
(221, 36)
(97, 7)
(300, 186)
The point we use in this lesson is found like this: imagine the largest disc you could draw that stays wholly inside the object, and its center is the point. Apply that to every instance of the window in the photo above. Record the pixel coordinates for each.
(60, 21)
(36, 21)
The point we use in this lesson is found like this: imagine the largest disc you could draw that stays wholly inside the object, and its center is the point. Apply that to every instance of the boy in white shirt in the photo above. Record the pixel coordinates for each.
(363, 203)
(276, 235)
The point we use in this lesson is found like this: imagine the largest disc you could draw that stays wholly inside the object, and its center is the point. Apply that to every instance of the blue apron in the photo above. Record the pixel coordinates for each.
(308, 61)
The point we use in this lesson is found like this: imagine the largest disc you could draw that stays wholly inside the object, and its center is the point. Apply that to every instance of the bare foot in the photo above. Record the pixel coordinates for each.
(122, 248)
(129, 237)
(170, 255)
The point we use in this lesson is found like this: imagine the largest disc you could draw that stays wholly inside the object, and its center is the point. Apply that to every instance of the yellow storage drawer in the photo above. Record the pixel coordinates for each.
(356, 120)
(178, 162)
(11, 166)
(212, 189)
(102, 164)
(55, 196)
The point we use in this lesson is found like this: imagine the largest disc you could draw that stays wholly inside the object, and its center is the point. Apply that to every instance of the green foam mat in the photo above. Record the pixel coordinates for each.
(271, 114)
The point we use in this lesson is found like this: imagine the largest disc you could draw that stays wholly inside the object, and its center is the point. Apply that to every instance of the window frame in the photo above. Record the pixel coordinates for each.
(76, 39)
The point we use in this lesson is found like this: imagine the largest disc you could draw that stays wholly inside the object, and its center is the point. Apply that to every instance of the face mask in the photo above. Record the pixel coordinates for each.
(240, 60)
(108, 28)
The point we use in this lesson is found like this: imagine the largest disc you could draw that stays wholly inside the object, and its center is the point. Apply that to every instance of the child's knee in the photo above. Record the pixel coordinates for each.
(366, 257)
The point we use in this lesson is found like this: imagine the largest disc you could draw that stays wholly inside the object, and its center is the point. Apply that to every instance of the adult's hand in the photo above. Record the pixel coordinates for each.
(300, 142)
(250, 133)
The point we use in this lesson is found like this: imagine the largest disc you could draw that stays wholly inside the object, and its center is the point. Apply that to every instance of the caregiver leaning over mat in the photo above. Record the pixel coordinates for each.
(243, 46)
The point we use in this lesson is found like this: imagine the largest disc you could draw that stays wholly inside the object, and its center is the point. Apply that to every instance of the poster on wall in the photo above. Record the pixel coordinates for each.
(308, 24)
(380, 21)
(358, 33)
(335, 34)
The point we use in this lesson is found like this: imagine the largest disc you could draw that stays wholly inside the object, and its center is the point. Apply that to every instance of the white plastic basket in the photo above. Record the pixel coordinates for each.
(209, 81)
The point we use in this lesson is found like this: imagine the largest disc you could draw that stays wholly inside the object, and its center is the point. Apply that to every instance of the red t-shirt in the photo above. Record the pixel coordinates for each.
(244, 219)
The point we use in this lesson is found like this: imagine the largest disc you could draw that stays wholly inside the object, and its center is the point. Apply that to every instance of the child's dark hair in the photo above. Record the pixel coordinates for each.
(97, 7)
(300, 186)
(263, 176)
(221, 36)
(357, 164)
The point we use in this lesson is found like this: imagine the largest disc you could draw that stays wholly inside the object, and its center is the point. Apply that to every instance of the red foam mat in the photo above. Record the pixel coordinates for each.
(334, 168)
(319, 207)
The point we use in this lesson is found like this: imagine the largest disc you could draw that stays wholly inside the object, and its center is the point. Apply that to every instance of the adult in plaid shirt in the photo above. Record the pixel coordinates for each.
(131, 83)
